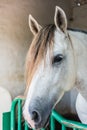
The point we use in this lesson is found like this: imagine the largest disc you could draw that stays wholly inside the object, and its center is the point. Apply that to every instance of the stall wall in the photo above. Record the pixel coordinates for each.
(14, 43)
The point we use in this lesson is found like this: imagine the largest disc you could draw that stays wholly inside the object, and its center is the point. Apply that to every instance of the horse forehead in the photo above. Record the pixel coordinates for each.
(59, 42)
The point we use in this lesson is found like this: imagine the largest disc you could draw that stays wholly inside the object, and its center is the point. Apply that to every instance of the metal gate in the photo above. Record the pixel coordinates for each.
(13, 120)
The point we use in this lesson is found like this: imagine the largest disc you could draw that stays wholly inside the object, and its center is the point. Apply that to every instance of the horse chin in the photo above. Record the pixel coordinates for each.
(42, 124)
(39, 126)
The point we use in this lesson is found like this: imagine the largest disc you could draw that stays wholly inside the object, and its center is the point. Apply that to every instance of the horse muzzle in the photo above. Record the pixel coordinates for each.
(37, 113)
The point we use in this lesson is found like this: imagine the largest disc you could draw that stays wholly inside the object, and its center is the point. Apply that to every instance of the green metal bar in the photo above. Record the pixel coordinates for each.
(13, 114)
(26, 126)
(6, 121)
(19, 113)
(63, 127)
(75, 129)
(52, 123)
(68, 123)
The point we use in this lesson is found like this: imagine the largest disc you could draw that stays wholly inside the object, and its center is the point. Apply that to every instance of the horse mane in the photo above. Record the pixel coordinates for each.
(38, 50)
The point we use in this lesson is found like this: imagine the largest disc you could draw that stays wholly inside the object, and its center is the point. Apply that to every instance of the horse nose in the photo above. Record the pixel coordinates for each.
(35, 115)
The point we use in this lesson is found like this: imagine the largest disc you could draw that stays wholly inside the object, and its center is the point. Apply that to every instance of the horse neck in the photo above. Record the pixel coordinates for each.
(79, 42)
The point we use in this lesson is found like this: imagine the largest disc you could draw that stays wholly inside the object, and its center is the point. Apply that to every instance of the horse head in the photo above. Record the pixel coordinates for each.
(50, 68)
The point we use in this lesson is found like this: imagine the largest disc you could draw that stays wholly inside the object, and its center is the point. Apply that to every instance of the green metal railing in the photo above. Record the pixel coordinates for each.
(16, 123)
(65, 123)
(17, 105)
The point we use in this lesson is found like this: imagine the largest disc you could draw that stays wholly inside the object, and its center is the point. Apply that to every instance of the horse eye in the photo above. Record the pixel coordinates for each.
(58, 58)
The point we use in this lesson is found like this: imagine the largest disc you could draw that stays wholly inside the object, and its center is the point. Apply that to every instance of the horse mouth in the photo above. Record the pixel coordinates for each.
(40, 125)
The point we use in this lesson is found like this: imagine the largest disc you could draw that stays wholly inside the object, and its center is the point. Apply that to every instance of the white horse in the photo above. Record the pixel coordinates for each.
(56, 62)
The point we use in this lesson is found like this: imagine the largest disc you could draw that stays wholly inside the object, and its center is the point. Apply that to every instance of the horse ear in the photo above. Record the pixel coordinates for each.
(60, 19)
(34, 26)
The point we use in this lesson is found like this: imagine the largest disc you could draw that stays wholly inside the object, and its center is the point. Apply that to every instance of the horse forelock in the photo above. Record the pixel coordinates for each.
(38, 50)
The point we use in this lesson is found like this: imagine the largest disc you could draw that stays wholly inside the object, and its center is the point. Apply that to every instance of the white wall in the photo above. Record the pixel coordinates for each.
(14, 43)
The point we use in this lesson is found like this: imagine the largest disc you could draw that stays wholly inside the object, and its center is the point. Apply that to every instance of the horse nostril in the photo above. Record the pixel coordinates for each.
(35, 116)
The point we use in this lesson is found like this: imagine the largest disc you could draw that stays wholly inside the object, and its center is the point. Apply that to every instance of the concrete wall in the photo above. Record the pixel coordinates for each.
(80, 17)
(14, 43)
